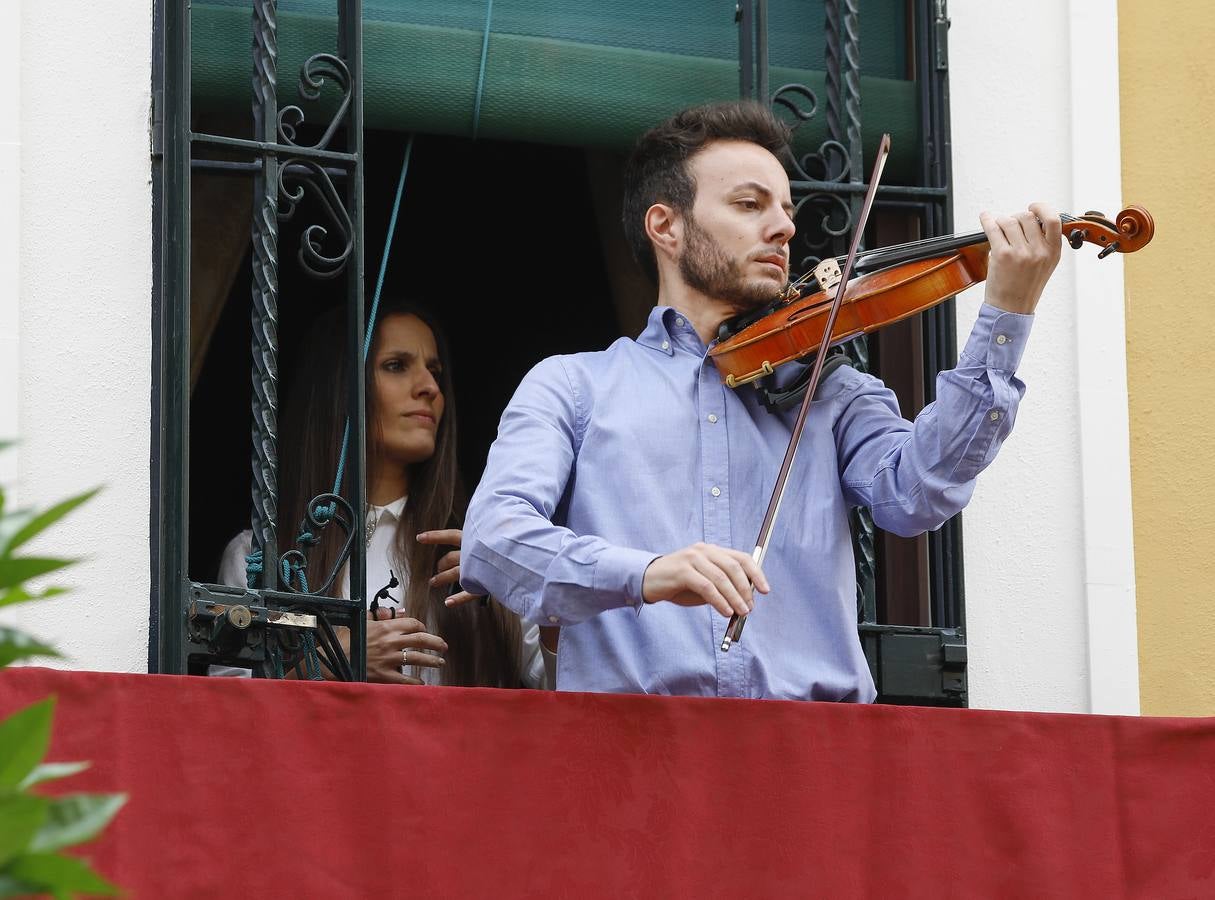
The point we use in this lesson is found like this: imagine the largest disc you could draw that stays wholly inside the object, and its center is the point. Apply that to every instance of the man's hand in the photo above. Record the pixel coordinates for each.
(447, 571)
(1024, 252)
(705, 573)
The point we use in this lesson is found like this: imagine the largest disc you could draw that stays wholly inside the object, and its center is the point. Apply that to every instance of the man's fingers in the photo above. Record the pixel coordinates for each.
(448, 560)
(995, 235)
(713, 572)
(447, 536)
(460, 599)
(1031, 228)
(1052, 225)
(698, 585)
(732, 567)
(1010, 227)
(448, 577)
(754, 573)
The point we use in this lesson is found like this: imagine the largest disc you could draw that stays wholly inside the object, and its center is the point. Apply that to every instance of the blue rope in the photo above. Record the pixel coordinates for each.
(253, 568)
(254, 563)
(489, 13)
(375, 303)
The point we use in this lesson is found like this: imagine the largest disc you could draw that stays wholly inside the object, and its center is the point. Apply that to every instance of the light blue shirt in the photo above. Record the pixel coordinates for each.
(605, 461)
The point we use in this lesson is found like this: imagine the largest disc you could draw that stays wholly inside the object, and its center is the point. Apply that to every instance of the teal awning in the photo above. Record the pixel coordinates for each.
(587, 73)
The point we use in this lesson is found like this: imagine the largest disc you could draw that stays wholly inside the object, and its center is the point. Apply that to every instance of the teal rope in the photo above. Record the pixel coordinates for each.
(489, 14)
(375, 303)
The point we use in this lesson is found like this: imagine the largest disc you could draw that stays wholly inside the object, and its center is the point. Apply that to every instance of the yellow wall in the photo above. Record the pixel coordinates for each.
(1167, 74)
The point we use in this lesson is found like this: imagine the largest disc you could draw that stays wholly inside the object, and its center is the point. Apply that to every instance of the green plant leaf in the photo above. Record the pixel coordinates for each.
(75, 819)
(51, 772)
(58, 874)
(16, 569)
(24, 736)
(21, 817)
(39, 522)
(15, 595)
(15, 645)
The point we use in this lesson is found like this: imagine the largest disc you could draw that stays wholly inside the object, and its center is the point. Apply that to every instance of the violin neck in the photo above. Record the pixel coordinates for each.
(923, 249)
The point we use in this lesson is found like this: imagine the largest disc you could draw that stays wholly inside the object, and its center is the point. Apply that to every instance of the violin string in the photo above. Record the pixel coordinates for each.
(924, 248)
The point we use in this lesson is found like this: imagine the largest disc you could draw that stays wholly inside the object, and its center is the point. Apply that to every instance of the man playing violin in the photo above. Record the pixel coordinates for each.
(622, 481)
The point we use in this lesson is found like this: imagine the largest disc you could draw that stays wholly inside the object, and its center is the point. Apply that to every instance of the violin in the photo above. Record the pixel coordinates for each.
(892, 284)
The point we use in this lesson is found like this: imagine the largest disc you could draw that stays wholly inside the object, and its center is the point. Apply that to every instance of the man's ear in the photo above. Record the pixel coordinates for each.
(664, 228)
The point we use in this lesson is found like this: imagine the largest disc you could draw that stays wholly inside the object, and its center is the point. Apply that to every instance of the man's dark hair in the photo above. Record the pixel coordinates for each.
(657, 169)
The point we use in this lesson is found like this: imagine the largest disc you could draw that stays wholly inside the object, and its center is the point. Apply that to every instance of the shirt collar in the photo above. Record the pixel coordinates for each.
(668, 328)
(393, 510)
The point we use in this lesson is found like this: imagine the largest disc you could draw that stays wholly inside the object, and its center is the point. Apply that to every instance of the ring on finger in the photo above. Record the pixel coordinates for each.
(405, 656)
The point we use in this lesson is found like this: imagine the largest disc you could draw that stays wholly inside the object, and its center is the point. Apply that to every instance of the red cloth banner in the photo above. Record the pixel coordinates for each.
(288, 789)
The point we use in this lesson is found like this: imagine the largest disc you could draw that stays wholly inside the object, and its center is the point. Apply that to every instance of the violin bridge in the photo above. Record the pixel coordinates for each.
(828, 274)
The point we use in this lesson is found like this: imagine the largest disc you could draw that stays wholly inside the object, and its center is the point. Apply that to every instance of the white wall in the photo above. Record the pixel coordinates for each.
(1048, 552)
(10, 232)
(1048, 549)
(82, 309)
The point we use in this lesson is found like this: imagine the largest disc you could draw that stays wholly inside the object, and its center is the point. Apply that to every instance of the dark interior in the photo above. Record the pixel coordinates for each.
(499, 240)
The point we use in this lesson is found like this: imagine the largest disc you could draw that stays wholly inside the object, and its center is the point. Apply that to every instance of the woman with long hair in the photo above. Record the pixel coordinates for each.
(415, 507)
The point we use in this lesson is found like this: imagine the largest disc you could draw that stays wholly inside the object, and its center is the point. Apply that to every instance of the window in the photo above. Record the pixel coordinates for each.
(534, 94)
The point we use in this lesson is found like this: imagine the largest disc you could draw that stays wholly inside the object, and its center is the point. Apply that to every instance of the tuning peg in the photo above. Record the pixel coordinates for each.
(1076, 238)
(1106, 251)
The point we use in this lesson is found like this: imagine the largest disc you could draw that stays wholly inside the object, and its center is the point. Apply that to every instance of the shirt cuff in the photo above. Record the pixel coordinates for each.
(998, 339)
(620, 571)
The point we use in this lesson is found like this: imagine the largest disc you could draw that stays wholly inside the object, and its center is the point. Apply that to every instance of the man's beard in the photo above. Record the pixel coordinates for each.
(706, 267)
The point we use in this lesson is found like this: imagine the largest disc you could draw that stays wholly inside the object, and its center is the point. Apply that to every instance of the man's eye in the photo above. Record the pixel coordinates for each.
(749, 204)
(436, 372)
(392, 365)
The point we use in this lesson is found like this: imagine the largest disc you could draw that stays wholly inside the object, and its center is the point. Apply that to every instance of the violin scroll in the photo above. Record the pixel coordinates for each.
(1131, 230)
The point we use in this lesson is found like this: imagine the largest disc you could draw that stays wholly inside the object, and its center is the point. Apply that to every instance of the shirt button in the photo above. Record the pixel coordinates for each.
(553, 619)
(679, 322)
(666, 345)
(995, 415)
(716, 492)
(1001, 339)
(713, 418)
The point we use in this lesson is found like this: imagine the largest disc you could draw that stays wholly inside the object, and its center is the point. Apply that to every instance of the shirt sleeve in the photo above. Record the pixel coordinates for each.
(511, 548)
(232, 564)
(914, 476)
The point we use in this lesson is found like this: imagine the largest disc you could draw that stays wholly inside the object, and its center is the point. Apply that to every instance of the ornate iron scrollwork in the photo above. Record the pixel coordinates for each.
(323, 510)
(782, 98)
(313, 74)
(295, 175)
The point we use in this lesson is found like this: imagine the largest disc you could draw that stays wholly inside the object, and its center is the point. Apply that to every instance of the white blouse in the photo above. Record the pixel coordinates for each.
(388, 585)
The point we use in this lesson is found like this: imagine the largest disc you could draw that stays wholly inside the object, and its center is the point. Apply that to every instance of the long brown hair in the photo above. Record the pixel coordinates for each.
(483, 641)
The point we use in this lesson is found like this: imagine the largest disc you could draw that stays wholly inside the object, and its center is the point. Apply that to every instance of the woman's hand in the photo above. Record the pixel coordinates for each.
(447, 571)
(392, 643)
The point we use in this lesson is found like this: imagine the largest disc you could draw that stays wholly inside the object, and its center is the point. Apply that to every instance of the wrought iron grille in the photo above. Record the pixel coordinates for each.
(276, 618)
(921, 664)
(918, 664)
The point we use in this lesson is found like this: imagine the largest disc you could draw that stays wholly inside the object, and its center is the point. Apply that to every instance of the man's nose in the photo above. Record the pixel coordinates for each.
(782, 228)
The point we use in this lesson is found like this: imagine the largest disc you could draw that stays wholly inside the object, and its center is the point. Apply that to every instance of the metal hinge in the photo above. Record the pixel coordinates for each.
(942, 36)
(158, 124)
